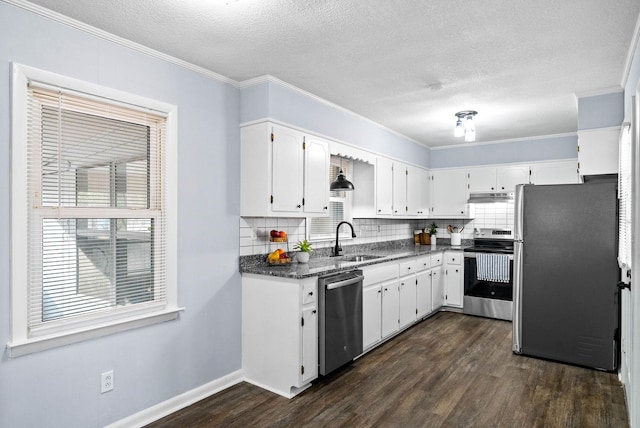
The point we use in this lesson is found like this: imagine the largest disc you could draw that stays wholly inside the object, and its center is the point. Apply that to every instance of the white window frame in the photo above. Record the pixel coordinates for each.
(22, 341)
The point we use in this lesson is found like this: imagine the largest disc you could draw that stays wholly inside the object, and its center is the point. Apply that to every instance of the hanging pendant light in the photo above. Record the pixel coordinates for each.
(341, 183)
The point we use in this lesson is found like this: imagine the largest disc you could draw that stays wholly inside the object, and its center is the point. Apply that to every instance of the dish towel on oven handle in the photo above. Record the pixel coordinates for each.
(492, 267)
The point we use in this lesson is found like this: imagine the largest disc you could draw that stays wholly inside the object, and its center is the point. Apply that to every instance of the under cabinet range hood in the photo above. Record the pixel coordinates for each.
(484, 197)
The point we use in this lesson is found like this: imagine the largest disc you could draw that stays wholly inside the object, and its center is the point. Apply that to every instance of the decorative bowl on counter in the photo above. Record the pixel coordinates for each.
(276, 262)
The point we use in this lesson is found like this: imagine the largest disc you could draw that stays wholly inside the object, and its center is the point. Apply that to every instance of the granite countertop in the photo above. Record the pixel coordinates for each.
(322, 264)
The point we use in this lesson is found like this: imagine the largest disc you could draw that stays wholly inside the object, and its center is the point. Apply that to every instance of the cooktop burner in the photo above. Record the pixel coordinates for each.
(492, 241)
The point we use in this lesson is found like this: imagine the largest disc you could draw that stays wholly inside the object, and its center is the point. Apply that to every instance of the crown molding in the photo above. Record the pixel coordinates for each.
(271, 79)
(73, 23)
(508, 140)
(598, 92)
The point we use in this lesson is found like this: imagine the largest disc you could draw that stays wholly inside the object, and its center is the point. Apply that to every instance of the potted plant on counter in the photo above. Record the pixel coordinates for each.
(432, 230)
(304, 251)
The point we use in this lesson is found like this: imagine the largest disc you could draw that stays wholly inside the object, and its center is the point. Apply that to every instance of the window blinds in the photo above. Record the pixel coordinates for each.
(325, 227)
(624, 196)
(96, 240)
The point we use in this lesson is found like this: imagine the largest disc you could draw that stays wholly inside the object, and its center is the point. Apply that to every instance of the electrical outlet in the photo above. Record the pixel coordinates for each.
(107, 382)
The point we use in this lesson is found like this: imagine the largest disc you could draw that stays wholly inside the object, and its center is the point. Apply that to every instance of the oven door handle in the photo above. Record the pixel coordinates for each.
(473, 255)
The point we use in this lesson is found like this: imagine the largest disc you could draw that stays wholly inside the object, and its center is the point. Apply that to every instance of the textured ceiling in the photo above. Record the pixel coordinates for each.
(409, 65)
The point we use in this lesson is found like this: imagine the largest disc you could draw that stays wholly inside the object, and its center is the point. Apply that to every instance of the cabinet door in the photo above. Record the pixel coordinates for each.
(482, 179)
(437, 288)
(399, 189)
(390, 307)
(371, 316)
(423, 293)
(407, 300)
(417, 191)
(453, 286)
(287, 167)
(384, 189)
(449, 193)
(510, 176)
(598, 151)
(424, 190)
(309, 344)
(316, 176)
(555, 173)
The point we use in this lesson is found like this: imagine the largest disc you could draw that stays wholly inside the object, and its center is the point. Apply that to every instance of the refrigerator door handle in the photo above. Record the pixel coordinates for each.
(623, 285)
(517, 297)
(518, 213)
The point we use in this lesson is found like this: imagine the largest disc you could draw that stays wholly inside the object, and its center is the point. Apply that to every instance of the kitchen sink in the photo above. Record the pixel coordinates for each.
(360, 257)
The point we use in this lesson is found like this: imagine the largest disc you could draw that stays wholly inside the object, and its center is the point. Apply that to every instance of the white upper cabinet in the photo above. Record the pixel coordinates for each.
(497, 179)
(287, 169)
(417, 191)
(399, 189)
(284, 172)
(482, 179)
(449, 193)
(508, 177)
(563, 172)
(384, 186)
(598, 151)
(316, 176)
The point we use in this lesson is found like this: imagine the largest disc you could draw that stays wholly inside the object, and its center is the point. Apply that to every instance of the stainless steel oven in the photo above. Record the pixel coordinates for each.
(489, 297)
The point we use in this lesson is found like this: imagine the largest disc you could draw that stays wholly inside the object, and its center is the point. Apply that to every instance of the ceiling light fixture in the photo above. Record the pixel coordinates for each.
(465, 126)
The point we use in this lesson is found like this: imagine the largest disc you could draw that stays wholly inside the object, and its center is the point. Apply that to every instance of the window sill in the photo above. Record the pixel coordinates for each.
(30, 346)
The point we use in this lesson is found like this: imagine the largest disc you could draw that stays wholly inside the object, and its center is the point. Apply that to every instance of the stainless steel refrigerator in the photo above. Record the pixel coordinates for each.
(566, 273)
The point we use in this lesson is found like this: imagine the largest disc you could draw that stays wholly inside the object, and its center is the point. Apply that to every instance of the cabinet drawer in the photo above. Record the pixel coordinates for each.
(378, 273)
(454, 258)
(423, 263)
(309, 292)
(436, 259)
(408, 267)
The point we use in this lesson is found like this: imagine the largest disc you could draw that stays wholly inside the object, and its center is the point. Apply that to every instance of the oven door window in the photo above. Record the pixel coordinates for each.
(487, 289)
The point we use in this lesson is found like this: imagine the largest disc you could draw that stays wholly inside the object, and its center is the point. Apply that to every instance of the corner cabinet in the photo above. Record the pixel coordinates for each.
(280, 333)
(453, 279)
(284, 172)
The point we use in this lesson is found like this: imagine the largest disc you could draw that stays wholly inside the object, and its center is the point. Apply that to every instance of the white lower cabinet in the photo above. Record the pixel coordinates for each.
(424, 302)
(453, 279)
(380, 302)
(397, 294)
(279, 332)
(437, 288)
(407, 289)
(390, 307)
(371, 315)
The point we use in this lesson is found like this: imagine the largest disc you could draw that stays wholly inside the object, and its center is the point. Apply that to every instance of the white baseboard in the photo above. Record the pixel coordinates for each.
(178, 402)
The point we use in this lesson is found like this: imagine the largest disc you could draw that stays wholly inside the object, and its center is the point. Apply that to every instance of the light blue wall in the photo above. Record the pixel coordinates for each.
(533, 150)
(60, 387)
(298, 109)
(600, 111)
(632, 84)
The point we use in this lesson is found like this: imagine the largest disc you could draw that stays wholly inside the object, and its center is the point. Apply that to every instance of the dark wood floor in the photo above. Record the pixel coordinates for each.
(451, 370)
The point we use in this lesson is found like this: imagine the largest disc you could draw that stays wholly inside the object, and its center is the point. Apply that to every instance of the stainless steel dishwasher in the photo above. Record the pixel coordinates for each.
(340, 330)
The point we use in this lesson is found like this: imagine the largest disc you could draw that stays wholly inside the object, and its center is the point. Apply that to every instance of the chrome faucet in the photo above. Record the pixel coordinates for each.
(337, 249)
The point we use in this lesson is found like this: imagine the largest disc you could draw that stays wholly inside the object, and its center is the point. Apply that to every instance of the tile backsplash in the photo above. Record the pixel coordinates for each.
(254, 231)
